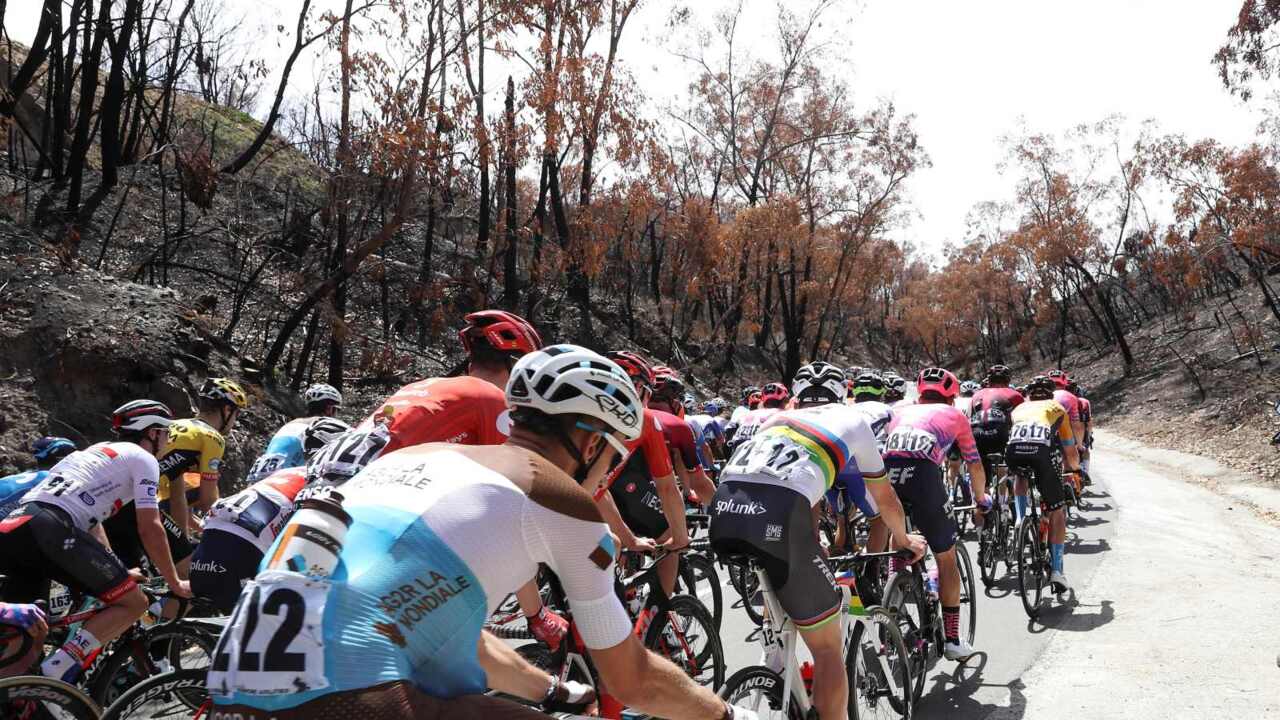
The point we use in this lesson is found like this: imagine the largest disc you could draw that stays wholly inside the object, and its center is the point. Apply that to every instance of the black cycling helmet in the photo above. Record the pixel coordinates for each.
(747, 392)
(999, 374)
(52, 449)
(1041, 387)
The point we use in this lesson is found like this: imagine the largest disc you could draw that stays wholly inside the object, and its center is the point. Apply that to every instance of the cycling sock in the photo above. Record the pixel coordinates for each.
(951, 622)
(1055, 555)
(1021, 502)
(65, 664)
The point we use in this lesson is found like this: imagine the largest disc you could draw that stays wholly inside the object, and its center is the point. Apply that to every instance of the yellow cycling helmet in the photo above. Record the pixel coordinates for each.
(224, 390)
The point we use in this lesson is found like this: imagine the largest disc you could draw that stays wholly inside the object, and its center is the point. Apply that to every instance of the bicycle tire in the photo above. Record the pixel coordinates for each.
(21, 690)
(988, 547)
(118, 670)
(869, 682)
(968, 591)
(759, 689)
(690, 621)
(902, 600)
(747, 584)
(1031, 579)
(697, 570)
(178, 694)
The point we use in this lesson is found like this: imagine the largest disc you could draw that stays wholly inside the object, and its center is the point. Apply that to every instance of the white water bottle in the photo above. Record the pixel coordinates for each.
(312, 541)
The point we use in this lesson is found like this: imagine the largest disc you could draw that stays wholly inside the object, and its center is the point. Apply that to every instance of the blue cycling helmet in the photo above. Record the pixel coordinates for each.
(712, 407)
(52, 448)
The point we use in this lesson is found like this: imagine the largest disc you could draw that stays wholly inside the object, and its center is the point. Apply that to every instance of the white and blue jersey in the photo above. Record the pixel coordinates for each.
(706, 429)
(285, 450)
(849, 486)
(13, 487)
(440, 535)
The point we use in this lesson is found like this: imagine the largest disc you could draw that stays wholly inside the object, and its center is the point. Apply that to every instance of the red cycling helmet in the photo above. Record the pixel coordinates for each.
(1059, 378)
(504, 331)
(753, 400)
(667, 384)
(774, 393)
(938, 380)
(636, 367)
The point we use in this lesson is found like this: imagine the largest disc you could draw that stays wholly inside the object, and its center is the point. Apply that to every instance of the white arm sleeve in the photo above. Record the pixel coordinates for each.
(581, 554)
(864, 451)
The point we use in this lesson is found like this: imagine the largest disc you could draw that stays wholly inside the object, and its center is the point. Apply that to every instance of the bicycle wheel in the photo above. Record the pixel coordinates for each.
(689, 639)
(968, 592)
(158, 649)
(699, 578)
(988, 550)
(41, 697)
(879, 669)
(759, 689)
(168, 696)
(904, 600)
(1030, 558)
(748, 586)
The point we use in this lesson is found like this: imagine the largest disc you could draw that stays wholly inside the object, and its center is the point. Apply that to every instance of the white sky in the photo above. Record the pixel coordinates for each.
(969, 71)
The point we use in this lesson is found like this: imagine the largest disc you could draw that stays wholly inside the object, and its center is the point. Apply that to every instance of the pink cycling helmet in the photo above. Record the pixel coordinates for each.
(939, 381)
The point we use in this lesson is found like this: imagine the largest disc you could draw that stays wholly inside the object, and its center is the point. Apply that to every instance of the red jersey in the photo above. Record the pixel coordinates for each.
(647, 455)
(994, 405)
(464, 410)
(679, 437)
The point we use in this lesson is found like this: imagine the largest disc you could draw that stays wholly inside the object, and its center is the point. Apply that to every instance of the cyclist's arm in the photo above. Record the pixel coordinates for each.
(640, 679)
(890, 508)
(156, 542)
(672, 507)
(178, 508)
(1067, 438)
(209, 493)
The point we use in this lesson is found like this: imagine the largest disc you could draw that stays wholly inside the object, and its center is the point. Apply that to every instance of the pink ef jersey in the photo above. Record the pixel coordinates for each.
(928, 431)
(1070, 402)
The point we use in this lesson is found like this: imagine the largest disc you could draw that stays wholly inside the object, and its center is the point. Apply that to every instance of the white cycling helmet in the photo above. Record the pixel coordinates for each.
(572, 380)
(819, 382)
(320, 392)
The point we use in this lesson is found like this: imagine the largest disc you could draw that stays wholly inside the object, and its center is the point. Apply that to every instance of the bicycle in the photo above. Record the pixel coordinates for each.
(876, 658)
(678, 628)
(1032, 548)
(170, 695)
(917, 609)
(35, 696)
(697, 575)
(996, 538)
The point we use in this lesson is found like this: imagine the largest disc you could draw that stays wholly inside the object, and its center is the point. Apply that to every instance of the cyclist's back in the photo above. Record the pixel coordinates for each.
(14, 487)
(284, 450)
(418, 574)
(464, 410)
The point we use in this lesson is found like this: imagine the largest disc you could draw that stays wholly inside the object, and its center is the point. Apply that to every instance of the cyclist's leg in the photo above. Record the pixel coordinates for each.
(930, 503)
(1049, 483)
(1020, 456)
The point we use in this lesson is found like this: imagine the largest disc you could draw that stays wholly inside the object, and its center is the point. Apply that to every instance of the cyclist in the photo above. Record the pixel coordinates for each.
(1040, 427)
(895, 389)
(57, 534)
(868, 389)
(31, 619)
(967, 389)
(708, 427)
(1086, 420)
(767, 506)
(47, 452)
(241, 527)
(745, 405)
(400, 634)
(639, 496)
(285, 449)
(468, 409)
(916, 448)
(682, 442)
(989, 417)
(1071, 403)
(773, 397)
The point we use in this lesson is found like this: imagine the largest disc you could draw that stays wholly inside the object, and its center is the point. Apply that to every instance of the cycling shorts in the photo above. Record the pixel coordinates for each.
(222, 563)
(920, 486)
(774, 525)
(990, 445)
(636, 496)
(122, 531)
(1041, 460)
(39, 543)
(393, 700)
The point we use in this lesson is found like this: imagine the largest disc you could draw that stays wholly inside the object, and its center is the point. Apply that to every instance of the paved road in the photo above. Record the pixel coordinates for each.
(1007, 641)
